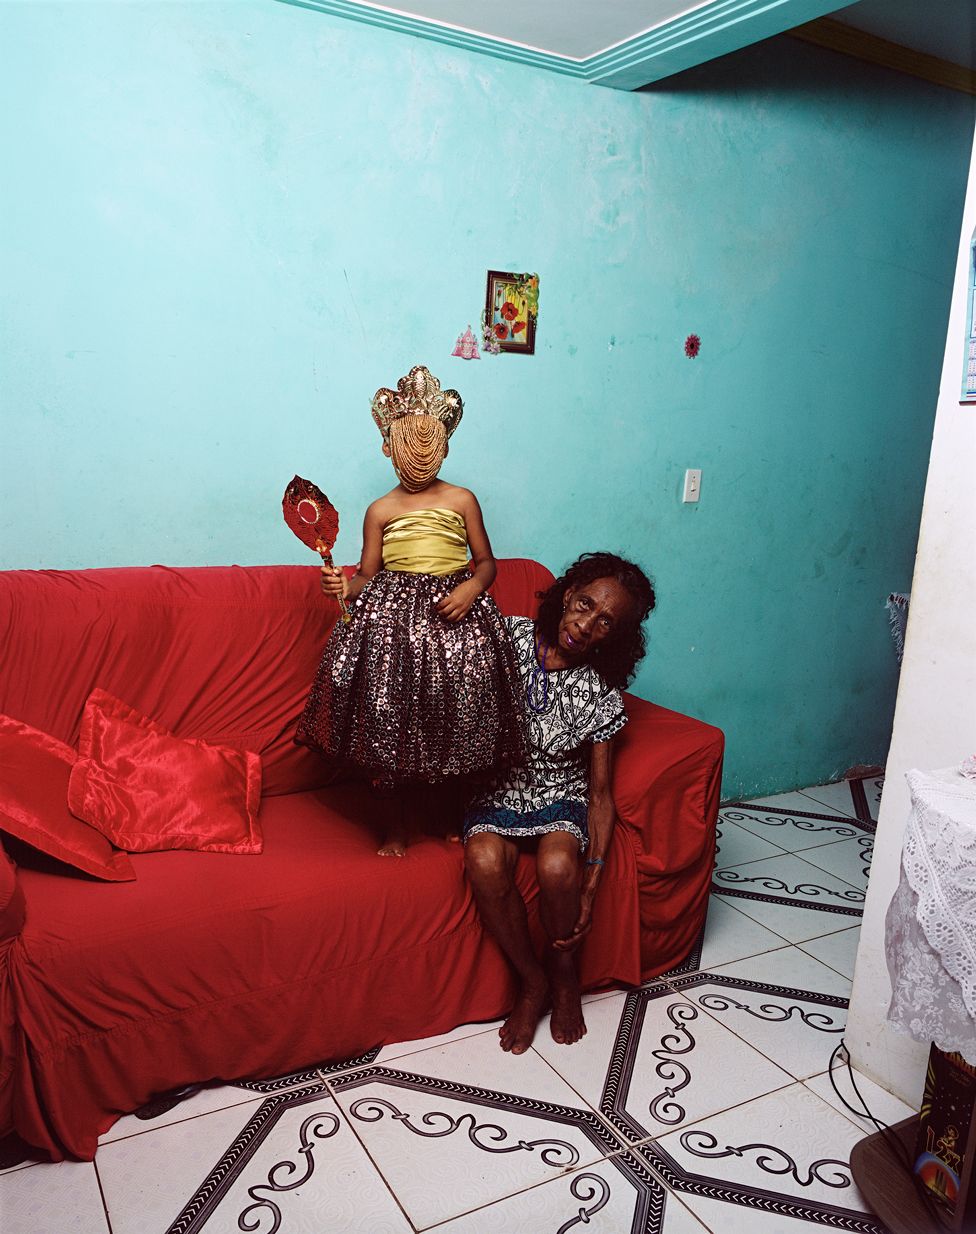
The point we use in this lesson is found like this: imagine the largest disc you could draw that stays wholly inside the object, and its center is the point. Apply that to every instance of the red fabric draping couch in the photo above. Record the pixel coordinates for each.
(243, 967)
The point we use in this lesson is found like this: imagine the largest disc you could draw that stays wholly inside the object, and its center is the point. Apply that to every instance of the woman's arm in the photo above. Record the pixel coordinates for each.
(457, 605)
(335, 583)
(600, 818)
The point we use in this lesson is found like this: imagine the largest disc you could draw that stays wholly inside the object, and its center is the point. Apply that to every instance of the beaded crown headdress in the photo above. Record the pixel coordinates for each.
(417, 394)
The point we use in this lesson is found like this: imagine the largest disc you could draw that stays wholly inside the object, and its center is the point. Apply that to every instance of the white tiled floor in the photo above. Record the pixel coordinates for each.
(702, 1101)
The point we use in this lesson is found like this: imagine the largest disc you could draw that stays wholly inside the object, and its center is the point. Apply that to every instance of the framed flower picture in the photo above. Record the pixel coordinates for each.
(511, 309)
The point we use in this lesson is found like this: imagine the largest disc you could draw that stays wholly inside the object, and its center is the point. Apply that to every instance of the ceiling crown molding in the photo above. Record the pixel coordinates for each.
(709, 30)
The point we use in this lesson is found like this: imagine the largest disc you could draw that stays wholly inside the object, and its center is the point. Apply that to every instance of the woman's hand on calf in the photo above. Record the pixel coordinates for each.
(585, 918)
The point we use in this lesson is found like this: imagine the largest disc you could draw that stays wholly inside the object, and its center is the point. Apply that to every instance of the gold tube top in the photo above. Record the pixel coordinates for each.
(430, 541)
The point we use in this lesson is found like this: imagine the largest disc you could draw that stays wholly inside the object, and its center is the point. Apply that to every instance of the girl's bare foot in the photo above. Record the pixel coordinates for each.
(566, 1022)
(397, 828)
(395, 845)
(518, 1031)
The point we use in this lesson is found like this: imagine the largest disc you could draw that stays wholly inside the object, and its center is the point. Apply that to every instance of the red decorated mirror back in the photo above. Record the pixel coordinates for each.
(310, 515)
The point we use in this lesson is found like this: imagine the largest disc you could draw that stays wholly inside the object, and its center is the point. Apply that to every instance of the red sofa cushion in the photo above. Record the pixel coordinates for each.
(147, 790)
(34, 773)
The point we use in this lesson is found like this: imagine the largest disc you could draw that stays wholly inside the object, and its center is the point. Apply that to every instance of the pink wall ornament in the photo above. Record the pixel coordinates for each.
(466, 346)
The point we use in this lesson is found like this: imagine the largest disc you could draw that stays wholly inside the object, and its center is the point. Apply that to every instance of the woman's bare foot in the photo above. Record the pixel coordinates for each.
(566, 1022)
(518, 1031)
(394, 845)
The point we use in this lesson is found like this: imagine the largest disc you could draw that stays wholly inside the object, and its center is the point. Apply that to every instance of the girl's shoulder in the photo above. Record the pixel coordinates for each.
(456, 496)
(383, 507)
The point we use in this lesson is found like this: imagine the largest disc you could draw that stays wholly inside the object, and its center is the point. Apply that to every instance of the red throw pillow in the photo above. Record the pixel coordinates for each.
(146, 789)
(34, 773)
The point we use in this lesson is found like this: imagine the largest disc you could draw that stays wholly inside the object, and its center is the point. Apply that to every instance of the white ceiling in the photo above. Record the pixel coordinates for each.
(582, 28)
(575, 28)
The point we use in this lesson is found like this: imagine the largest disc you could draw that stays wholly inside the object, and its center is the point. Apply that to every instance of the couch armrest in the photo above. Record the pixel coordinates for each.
(667, 777)
(665, 783)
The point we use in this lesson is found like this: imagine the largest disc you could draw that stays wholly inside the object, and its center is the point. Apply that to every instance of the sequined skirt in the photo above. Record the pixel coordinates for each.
(407, 696)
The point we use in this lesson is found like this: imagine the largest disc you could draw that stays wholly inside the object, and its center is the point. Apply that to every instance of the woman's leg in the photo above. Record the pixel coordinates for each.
(557, 868)
(490, 862)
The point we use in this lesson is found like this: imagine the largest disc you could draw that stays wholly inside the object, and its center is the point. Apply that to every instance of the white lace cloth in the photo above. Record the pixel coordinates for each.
(930, 937)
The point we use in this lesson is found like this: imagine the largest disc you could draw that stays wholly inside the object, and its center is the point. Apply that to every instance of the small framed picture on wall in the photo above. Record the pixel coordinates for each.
(511, 309)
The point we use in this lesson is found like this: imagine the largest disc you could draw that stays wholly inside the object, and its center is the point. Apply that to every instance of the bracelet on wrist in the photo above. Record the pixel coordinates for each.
(596, 861)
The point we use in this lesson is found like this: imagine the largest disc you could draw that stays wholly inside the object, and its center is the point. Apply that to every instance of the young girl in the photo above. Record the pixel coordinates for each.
(421, 684)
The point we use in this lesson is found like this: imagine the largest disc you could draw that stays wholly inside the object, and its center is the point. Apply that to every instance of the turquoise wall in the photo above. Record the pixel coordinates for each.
(225, 225)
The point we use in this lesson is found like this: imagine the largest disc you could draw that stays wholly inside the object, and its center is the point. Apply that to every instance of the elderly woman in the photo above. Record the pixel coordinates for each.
(573, 661)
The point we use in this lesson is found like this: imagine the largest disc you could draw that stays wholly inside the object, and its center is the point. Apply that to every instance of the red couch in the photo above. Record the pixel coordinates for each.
(241, 967)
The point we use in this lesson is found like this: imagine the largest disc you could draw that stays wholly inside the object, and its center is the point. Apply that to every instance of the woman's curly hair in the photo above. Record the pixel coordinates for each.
(616, 657)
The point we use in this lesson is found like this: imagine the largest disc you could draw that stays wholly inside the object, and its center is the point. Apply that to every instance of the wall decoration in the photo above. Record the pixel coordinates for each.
(466, 346)
(692, 346)
(511, 309)
(489, 342)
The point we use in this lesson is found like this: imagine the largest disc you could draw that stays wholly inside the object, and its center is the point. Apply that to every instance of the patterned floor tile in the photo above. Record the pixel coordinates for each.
(387, 1053)
(288, 1160)
(795, 924)
(759, 1216)
(732, 935)
(205, 1101)
(421, 1130)
(859, 799)
(767, 1166)
(660, 1061)
(737, 846)
(789, 966)
(794, 830)
(848, 859)
(584, 1065)
(784, 1004)
(307, 1075)
(479, 1061)
(886, 1107)
(838, 951)
(616, 1196)
(791, 897)
(780, 802)
(50, 1199)
(148, 1179)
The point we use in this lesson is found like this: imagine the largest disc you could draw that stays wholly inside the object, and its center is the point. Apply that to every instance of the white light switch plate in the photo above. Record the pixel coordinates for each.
(692, 489)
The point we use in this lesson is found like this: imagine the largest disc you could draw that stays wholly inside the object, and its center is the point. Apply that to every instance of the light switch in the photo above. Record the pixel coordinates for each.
(692, 485)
